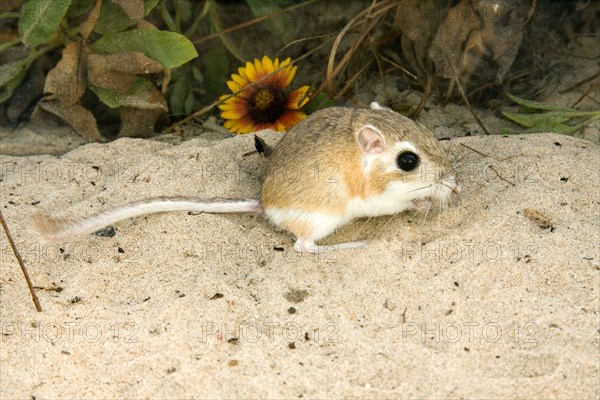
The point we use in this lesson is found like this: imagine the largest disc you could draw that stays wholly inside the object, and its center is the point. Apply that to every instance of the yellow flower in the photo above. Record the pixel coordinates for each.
(260, 100)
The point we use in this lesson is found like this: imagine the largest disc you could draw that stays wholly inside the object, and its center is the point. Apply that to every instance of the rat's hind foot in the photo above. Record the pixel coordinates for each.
(309, 246)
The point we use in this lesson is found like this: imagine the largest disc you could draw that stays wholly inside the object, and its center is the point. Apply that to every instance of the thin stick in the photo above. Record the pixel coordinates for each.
(252, 22)
(581, 82)
(20, 260)
(464, 96)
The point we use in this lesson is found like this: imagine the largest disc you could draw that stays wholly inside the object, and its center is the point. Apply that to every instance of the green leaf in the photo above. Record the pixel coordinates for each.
(319, 102)
(149, 5)
(141, 96)
(11, 75)
(169, 48)
(557, 119)
(114, 19)
(9, 14)
(177, 94)
(40, 19)
(277, 25)
(215, 72)
(531, 120)
(537, 105)
(81, 7)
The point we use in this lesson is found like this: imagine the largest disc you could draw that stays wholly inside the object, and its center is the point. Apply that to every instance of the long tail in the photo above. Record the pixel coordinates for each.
(57, 230)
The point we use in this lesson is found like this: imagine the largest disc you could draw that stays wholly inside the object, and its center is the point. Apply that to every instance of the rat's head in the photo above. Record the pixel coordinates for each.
(404, 164)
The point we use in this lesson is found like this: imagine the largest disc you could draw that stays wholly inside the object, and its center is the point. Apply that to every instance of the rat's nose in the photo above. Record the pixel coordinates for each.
(455, 187)
(453, 184)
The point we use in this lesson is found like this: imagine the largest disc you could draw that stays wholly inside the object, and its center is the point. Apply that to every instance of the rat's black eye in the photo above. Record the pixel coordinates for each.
(407, 161)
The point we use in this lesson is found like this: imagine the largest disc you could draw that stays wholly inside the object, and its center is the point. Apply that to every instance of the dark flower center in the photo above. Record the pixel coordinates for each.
(267, 104)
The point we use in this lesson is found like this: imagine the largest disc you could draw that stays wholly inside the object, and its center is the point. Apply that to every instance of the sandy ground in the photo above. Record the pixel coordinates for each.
(497, 297)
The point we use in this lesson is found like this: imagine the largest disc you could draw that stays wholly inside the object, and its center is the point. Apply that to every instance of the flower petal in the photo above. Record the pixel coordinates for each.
(239, 79)
(250, 72)
(288, 76)
(231, 114)
(240, 106)
(285, 62)
(291, 118)
(267, 64)
(242, 125)
(258, 66)
(242, 72)
(279, 126)
(234, 86)
(296, 96)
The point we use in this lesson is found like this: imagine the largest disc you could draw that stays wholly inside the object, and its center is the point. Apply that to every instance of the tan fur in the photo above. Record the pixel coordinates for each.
(334, 166)
(300, 228)
(330, 132)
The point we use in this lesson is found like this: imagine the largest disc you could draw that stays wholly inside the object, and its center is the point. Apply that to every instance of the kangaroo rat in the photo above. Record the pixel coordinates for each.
(336, 165)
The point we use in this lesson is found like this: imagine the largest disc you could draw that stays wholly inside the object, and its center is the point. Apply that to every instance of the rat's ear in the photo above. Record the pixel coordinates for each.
(370, 140)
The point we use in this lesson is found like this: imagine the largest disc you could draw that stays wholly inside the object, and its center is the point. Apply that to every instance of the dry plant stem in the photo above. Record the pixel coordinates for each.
(375, 12)
(530, 12)
(381, 73)
(581, 82)
(338, 39)
(34, 297)
(500, 176)
(592, 88)
(398, 66)
(464, 96)
(494, 84)
(428, 85)
(252, 22)
(485, 155)
(348, 84)
(304, 39)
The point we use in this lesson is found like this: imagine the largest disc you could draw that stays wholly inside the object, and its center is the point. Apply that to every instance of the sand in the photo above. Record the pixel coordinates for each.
(496, 297)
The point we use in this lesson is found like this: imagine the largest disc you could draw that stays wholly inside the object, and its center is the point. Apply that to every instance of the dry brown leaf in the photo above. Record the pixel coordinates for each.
(133, 8)
(65, 82)
(448, 44)
(88, 25)
(502, 32)
(472, 30)
(75, 115)
(418, 22)
(145, 97)
(118, 71)
(136, 122)
(64, 88)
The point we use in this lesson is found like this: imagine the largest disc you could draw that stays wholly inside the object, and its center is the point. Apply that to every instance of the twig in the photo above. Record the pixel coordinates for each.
(476, 151)
(581, 82)
(428, 86)
(584, 95)
(252, 22)
(464, 96)
(350, 81)
(34, 297)
(500, 176)
(375, 12)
